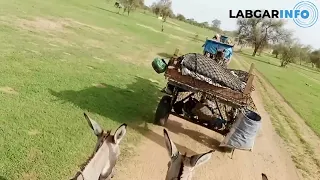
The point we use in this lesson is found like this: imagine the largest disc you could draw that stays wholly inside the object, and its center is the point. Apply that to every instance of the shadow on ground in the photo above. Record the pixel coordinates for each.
(159, 139)
(134, 105)
(165, 55)
(210, 142)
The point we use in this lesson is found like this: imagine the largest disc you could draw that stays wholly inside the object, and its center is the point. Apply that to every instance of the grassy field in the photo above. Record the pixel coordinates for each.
(300, 86)
(61, 58)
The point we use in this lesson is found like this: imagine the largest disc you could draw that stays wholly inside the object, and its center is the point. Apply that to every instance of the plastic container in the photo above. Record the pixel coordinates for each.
(159, 65)
(243, 133)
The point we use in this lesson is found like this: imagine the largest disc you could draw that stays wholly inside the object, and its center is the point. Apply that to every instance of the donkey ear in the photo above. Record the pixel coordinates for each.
(94, 125)
(197, 160)
(120, 133)
(264, 177)
(171, 147)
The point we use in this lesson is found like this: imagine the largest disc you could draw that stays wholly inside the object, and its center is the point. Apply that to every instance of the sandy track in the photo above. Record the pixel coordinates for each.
(269, 155)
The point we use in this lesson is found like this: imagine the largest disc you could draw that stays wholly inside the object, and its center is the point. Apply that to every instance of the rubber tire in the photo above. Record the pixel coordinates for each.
(163, 111)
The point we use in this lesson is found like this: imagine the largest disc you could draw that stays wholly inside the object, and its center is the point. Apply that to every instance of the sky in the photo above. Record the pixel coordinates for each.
(208, 10)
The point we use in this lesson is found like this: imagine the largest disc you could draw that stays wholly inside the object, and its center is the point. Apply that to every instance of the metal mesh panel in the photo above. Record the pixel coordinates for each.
(242, 75)
(204, 66)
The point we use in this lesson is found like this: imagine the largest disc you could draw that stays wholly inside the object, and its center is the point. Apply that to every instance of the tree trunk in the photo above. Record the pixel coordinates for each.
(241, 47)
(164, 18)
(277, 55)
(255, 50)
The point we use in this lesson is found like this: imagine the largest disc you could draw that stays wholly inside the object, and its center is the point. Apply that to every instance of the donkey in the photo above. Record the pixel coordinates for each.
(181, 167)
(101, 163)
(264, 177)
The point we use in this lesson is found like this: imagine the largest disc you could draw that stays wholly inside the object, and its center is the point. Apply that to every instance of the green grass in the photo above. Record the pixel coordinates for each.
(300, 86)
(61, 58)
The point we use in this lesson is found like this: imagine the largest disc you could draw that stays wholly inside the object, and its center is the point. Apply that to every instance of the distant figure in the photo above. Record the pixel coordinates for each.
(118, 5)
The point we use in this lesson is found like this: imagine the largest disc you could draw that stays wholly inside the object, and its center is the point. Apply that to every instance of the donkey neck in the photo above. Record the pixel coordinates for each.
(97, 163)
(98, 160)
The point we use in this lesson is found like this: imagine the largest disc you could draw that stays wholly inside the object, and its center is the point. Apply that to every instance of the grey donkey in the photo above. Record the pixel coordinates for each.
(264, 177)
(181, 167)
(100, 165)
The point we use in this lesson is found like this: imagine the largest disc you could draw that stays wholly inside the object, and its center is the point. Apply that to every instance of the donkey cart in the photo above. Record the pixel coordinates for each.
(203, 92)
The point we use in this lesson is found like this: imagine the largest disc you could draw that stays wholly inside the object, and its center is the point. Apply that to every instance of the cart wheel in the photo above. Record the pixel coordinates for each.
(163, 111)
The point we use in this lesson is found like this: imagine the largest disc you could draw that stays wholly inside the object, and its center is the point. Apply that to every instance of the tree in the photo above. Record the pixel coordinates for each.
(261, 31)
(276, 52)
(172, 15)
(163, 8)
(216, 23)
(204, 24)
(242, 43)
(216, 26)
(263, 45)
(180, 17)
(155, 8)
(289, 53)
(278, 49)
(130, 5)
(315, 58)
(304, 54)
(141, 3)
(246, 29)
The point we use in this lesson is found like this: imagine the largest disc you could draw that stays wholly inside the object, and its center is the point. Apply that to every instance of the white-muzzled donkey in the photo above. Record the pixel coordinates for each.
(181, 167)
(100, 165)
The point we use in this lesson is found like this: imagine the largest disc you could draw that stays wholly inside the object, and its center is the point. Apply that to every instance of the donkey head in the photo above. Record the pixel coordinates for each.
(264, 177)
(180, 167)
(107, 148)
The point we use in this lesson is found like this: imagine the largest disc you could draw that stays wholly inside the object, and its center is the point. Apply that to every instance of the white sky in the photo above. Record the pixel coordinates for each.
(207, 10)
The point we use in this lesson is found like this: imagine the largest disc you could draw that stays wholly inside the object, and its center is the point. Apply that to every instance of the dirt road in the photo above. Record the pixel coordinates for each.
(269, 155)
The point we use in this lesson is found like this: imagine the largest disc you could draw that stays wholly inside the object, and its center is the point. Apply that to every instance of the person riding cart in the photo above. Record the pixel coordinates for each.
(218, 49)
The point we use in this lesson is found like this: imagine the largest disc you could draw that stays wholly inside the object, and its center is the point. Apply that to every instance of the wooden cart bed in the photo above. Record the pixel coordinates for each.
(224, 94)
